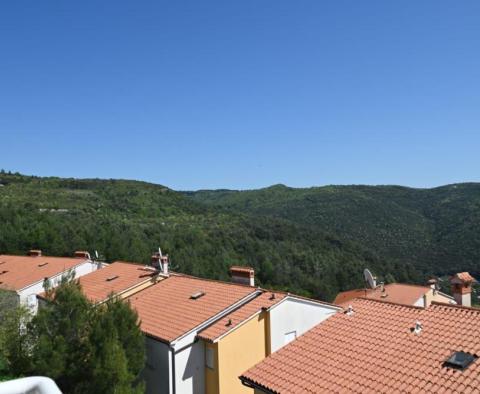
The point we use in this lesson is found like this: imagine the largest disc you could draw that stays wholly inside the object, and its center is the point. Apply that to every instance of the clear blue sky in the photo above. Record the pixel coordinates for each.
(242, 94)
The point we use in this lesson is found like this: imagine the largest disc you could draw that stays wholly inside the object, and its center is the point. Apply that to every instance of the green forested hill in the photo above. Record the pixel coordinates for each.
(128, 220)
(436, 230)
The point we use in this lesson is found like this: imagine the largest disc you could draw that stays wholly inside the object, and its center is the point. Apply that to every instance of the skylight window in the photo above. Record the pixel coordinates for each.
(197, 295)
(110, 278)
(43, 264)
(460, 360)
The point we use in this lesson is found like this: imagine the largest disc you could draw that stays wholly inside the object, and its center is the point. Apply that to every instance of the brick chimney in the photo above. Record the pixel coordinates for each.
(462, 288)
(161, 262)
(34, 253)
(243, 275)
(81, 254)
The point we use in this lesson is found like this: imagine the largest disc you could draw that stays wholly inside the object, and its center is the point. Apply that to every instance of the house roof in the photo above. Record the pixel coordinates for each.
(18, 272)
(399, 293)
(375, 350)
(242, 314)
(114, 278)
(176, 305)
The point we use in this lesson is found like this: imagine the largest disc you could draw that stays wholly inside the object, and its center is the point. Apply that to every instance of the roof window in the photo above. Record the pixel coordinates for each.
(3, 272)
(460, 360)
(43, 264)
(197, 295)
(110, 278)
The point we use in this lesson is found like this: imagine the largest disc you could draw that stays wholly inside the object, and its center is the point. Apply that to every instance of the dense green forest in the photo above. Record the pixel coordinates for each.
(436, 230)
(311, 241)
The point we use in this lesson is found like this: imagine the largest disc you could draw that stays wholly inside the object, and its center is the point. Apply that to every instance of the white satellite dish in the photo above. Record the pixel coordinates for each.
(96, 254)
(369, 278)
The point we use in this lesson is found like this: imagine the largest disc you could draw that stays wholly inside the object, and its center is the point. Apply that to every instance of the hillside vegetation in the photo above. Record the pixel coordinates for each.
(128, 220)
(436, 230)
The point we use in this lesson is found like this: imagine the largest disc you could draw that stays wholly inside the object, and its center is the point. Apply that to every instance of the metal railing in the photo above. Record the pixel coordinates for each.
(31, 385)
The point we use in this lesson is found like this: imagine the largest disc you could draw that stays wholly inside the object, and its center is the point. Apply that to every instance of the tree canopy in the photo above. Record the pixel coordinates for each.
(84, 348)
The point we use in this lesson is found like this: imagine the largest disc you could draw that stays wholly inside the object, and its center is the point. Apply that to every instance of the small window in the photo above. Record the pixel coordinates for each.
(290, 336)
(197, 295)
(43, 264)
(110, 278)
(460, 360)
(209, 357)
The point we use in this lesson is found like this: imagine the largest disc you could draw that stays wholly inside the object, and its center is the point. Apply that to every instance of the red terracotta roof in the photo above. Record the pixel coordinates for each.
(114, 278)
(399, 293)
(17, 272)
(374, 350)
(167, 310)
(240, 315)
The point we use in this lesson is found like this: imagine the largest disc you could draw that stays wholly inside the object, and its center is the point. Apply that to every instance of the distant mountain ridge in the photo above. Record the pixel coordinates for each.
(435, 229)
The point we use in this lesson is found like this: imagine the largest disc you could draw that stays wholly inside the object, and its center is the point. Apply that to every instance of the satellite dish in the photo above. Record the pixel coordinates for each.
(369, 278)
(96, 254)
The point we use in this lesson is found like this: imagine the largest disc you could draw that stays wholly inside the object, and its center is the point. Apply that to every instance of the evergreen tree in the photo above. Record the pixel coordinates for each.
(83, 347)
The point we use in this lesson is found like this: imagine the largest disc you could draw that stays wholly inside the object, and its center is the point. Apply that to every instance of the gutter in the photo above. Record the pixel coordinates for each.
(55, 275)
(252, 385)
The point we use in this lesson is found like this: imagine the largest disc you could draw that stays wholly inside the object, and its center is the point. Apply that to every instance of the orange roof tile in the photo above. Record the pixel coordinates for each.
(374, 350)
(399, 293)
(17, 272)
(240, 315)
(167, 311)
(114, 278)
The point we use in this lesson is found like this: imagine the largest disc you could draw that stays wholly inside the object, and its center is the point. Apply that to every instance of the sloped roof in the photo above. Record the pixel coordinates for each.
(17, 272)
(240, 315)
(399, 293)
(374, 350)
(167, 311)
(114, 278)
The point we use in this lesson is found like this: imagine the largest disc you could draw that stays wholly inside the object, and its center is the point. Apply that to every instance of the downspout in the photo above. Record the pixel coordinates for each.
(172, 351)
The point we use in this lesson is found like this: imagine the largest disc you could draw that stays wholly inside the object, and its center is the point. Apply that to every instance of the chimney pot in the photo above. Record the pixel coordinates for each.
(82, 254)
(35, 252)
(243, 275)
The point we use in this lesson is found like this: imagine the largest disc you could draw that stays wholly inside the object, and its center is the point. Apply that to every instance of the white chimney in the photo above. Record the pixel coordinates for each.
(165, 264)
(160, 262)
(35, 253)
(243, 275)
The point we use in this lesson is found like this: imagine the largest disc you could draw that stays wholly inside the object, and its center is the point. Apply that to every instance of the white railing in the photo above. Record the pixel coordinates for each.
(31, 385)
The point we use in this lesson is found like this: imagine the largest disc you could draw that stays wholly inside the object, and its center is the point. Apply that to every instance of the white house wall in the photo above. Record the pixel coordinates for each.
(295, 316)
(37, 288)
(157, 371)
(190, 369)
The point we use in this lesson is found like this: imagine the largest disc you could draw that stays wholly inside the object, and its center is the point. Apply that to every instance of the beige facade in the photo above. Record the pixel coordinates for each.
(236, 352)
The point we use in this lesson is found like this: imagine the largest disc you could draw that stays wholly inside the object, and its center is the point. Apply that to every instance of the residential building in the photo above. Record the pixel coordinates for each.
(201, 334)
(120, 278)
(172, 313)
(247, 335)
(399, 293)
(25, 275)
(382, 347)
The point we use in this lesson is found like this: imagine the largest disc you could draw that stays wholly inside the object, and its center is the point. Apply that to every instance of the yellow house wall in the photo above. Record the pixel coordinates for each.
(437, 297)
(211, 375)
(240, 350)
